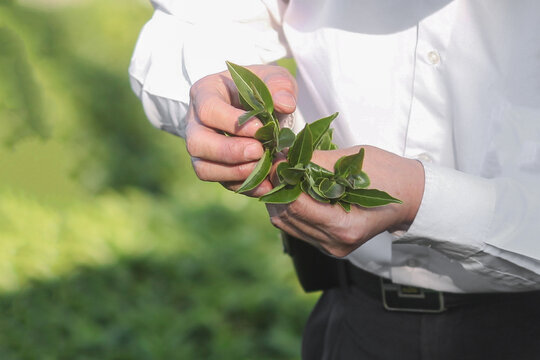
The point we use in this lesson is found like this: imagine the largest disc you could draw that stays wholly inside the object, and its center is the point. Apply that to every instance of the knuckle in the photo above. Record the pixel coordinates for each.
(192, 146)
(295, 209)
(233, 150)
(204, 109)
(347, 238)
(199, 168)
(242, 171)
(198, 85)
(339, 252)
(276, 221)
(193, 90)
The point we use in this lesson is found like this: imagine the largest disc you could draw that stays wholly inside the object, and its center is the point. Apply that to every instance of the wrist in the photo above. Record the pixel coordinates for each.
(413, 191)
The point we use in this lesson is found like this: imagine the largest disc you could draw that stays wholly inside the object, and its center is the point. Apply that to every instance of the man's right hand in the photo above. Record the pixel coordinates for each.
(214, 110)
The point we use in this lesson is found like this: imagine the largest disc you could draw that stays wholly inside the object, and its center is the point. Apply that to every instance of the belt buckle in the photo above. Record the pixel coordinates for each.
(397, 297)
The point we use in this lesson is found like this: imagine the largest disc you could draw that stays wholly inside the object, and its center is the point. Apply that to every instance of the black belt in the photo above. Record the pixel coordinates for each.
(397, 297)
(317, 271)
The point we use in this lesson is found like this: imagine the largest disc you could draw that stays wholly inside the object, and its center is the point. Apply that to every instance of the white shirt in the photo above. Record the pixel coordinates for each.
(454, 84)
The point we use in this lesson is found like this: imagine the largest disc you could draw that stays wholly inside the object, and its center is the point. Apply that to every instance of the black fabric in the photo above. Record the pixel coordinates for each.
(316, 271)
(352, 324)
(371, 285)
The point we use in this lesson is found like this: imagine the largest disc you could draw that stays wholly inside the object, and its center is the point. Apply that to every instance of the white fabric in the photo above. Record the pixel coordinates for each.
(455, 84)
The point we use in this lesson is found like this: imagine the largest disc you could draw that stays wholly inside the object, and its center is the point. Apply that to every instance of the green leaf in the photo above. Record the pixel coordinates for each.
(315, 188)
(247, 106)
(282, 194)
(320, 127)
(316, 195)
(260, 173)
(256, 93)
(369, 198)
(331, 189)
(349, 165)
(305, 185)
(302, 149)
(346, 206)
(289, 175)
(251, 87)
(242, 119)
(359, 181)
(266, 133)
(326, 141)
(318, 171)
(285, 139)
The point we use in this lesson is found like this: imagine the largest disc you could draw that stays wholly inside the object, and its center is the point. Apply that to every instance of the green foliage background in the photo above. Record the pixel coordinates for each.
(109, 246)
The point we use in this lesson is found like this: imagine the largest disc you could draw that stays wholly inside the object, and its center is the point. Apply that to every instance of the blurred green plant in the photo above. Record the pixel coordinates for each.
(109, 247)
(67, 75)
(135, 277)
(20, 100)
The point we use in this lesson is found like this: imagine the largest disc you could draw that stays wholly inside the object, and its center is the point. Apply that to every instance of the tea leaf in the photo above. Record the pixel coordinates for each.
(242, 119)
(315, 189)
(289, 175)
(326, 141)
(331, 189)
(282, 194)
(266, 133)
(258, 174)
(359, 181)
(349, 165)
(302, 149)
(369, 198)
(345, 206)
(319, 171)
(251, 87)
(317, 196)
(285, 139)
(320, 127)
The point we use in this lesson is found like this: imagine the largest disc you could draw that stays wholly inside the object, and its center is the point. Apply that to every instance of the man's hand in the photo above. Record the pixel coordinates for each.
(330, 228)
(214, 110)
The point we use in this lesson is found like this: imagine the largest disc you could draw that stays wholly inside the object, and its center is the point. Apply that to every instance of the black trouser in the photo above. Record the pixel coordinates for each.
(350, 321)
(350, 324)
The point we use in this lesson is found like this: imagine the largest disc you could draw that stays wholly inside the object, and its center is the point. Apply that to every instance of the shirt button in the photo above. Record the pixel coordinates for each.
(425, 157)
(433, 57)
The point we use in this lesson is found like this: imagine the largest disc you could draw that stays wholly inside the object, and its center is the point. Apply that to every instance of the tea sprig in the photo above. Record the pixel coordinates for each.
(346, 185)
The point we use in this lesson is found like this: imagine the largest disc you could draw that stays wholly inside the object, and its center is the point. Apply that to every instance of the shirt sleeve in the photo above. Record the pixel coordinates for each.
(488, 225)
(184, 41)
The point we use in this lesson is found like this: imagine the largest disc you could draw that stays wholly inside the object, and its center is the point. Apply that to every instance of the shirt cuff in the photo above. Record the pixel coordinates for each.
(455, 212)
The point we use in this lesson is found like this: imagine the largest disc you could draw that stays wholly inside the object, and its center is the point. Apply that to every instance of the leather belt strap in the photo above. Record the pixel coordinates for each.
(396, 297)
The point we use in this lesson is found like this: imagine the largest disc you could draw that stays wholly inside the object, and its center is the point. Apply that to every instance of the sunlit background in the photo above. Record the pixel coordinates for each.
(109, 246)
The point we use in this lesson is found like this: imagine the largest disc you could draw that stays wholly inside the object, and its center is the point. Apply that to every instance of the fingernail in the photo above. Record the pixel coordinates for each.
(285, 100)
(253, 152)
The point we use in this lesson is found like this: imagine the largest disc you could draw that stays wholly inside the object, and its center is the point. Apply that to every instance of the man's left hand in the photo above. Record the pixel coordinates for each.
(330, 228)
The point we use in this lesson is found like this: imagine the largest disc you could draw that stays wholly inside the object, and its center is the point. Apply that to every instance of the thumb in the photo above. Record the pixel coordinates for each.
(283, 88)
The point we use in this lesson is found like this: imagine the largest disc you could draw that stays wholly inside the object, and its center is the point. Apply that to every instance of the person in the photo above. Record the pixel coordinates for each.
(445, 98)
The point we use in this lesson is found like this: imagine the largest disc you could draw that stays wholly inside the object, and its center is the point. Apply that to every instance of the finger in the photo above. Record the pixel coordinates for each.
(273, 176)
(283, 88)
(213, 110)
(308, 215)
(259, 191)
(283, 224)
(206, 144)
(212, 171)
(315, 236)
